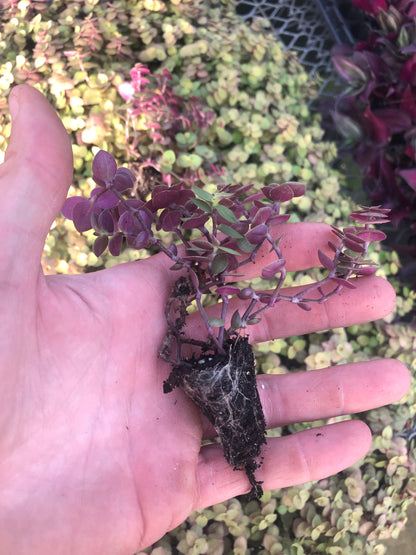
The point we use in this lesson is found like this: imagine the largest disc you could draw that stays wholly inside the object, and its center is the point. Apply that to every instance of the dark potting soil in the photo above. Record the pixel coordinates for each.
(225, 390)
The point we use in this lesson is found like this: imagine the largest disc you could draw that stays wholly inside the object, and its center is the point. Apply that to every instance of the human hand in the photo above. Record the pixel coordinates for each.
(94, 457)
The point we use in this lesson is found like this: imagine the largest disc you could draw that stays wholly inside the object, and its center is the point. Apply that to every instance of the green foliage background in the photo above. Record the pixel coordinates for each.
(77, 53)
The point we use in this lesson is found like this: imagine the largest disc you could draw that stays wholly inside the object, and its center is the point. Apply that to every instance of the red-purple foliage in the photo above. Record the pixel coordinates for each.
(377, 112)
(228, 229)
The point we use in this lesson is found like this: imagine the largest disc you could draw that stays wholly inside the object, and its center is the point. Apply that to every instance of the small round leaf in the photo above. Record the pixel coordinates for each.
(100, 244)
(272, 269)
(115, 244)
(104, 167)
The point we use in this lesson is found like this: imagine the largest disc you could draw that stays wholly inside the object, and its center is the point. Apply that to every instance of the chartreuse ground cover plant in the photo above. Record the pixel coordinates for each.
(229, 227)
(376, 114)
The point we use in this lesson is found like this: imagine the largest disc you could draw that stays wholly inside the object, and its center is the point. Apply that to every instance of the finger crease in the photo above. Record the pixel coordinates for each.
(303, 461)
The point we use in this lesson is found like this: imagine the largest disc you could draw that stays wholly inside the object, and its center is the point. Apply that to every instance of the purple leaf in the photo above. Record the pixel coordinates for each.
(408, 103)
(106, 200)
(232, 263)
(141, 240)
(396, 120)
(371, 219)
(272, 269)
(353, 237)
(239, 227)
(365, 271)
(297, 188)
(128, 224)
(343, 282)
(95, 224)
(380, 133)
(69, 205)
(254, 197)
(195, 222)
(100, 244)
(235, 189)
(124, 180)
(261, 216)
(115, 244)
(326, 261)
(371, 235)
(278, 193)
(163, 196)
(131, 203)
(145, 217)
(349, 71)
(257, 234)
(277, 220)
(202, 245)
(81, 215)
(409, 176)
(169, 219)
(353, 245)
(106, 221)
(104, 168)
(412, 9)
(337, 232)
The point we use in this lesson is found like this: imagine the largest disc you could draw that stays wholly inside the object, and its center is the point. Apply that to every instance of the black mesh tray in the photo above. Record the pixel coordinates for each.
(310, 27)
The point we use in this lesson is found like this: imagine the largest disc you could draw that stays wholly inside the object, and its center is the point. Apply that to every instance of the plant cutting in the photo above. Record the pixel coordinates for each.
(215, 235)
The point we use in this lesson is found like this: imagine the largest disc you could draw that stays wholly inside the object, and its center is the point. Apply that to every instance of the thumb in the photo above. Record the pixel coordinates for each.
(34, 181)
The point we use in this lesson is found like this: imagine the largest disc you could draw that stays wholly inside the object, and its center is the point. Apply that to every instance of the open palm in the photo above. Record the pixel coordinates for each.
(95, 458)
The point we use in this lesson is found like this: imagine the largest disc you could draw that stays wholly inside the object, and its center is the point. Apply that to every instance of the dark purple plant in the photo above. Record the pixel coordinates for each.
(216, 236)
(377, 112)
